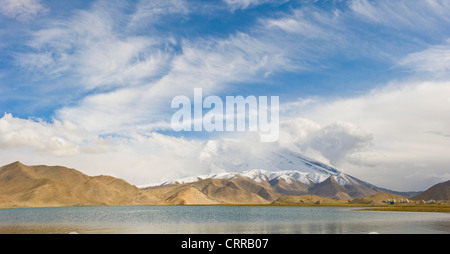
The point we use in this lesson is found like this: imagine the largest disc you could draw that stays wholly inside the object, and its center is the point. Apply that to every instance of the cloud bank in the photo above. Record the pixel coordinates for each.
(408, 124)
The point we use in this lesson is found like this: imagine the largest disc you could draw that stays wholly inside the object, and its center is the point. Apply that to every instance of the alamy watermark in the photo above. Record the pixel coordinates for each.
(236, 114)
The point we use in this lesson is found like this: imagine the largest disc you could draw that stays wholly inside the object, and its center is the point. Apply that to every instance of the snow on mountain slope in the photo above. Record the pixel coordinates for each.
(285, 169)
(284, 164)
(261, 175)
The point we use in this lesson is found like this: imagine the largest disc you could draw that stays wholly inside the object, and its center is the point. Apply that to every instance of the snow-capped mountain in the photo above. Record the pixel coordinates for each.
(261, 175)
(283, 164)
(281, 171)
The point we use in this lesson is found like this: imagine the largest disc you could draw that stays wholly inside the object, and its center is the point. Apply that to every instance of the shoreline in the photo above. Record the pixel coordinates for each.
(442, 208)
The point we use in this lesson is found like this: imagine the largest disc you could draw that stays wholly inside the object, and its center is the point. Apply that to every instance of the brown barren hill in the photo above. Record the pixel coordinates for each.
(229, 191)
(189, 196)
(440, 191)
(332, 189)
(39, 186)
(214, 191)
(294, 187)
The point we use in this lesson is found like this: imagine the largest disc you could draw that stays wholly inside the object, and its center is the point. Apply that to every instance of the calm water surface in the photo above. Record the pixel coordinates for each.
(219, 219)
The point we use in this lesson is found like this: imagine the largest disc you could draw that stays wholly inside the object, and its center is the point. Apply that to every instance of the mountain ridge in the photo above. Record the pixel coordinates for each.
(38, 186)
(292, 182)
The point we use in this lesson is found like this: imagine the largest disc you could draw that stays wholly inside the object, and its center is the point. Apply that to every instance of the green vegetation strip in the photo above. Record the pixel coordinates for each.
(413, 208)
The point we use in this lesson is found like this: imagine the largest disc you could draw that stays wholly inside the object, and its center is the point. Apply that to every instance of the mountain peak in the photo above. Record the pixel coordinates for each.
(330, 180)
(331, 188)
(15, 166)
(16, 163)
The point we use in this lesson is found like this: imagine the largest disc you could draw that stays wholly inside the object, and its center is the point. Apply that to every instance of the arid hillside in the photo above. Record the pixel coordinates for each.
(37, 186)
(440, 191)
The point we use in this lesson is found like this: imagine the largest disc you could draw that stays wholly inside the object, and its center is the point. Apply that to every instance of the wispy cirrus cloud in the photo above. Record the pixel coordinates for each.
(21, 10)
(134, 77)
(210, 65)
(89, 46)
(411, 15)
(434, 60)
(310, 34)
(245, 4)
(148, 12)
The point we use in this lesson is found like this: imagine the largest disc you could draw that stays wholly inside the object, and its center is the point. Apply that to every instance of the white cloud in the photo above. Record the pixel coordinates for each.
(365, 9)
(141, 74)
(412, 15)
(408, 124)
(332, 143)
(154, 11)
(434, 60)
(57, 138)
(90, 46)
(121, 62)
(141, 159)
(247, 4)
(396, 137)
(243, 4)
(339, 140)
(308, 23)
(21, 9)
(380, 30)
(151, 158)
(206, 64)
(240, 57)
(312, 36)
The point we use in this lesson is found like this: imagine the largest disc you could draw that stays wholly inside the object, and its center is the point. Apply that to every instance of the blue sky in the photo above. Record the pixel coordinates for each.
(88, 84)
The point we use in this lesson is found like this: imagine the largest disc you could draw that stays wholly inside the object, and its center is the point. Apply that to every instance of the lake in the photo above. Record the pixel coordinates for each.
(218, 219)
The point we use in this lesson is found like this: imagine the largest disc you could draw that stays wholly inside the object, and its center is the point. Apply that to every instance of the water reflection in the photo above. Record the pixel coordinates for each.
(212, 219)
